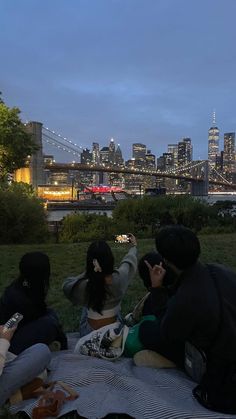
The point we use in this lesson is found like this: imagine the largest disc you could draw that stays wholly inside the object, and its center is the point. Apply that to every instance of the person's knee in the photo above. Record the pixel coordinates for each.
(42, 352)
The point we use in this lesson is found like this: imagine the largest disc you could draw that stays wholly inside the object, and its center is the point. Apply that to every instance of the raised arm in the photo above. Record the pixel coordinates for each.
(74, 289)
(127, 268)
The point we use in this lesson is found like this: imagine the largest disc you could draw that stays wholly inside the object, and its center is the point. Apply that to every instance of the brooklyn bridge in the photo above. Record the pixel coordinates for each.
(199, 174)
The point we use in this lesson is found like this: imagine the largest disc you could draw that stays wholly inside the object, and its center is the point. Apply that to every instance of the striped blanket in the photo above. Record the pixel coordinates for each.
(106, 387)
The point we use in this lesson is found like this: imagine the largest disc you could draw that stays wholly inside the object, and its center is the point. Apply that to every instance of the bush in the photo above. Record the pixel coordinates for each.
(86, 227)
(22, 217)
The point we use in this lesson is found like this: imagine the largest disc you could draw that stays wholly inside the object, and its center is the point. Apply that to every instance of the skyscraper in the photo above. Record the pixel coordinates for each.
(139, 151)
(213, 142)
(185, 151)
(118, 156)
(173, 149)
(112, 149)
(229, 155)
(150, 160)
(95, 153)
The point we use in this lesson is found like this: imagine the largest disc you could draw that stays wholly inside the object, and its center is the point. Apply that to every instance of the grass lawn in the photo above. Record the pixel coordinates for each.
(69, 259)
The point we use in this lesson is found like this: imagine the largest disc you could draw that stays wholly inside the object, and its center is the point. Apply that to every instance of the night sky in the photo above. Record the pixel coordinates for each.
(149, 71)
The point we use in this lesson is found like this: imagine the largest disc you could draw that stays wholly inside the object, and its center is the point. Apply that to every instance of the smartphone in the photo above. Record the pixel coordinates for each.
(13, 321)
(122, 238)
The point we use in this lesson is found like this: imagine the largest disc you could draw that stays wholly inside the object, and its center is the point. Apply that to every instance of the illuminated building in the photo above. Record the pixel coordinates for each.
(139, 151)
(213, 143)
(55, 193)
(229, 155)
(150, 160)
(184, 152)
(118, 156)
(95, 153)
(112, 149)
(86, 177)
(96, 160)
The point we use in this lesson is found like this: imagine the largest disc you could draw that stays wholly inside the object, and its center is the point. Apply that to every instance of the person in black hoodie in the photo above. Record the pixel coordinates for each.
(201, 312)
(27, 295)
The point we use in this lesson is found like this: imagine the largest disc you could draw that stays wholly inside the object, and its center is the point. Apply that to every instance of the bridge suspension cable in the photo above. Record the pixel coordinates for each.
(220, 175)
(52, 134)
(60, 145)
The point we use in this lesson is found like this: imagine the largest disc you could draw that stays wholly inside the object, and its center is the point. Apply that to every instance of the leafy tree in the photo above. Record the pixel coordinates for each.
(15, 143)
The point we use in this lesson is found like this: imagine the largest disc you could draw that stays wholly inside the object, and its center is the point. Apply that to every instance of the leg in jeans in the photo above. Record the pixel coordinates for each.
(84, 326)
(23, 369)
(45, 329)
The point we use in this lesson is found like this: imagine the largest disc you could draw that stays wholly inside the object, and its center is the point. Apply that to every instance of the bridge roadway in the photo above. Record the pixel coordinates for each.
(55, 167)
(65, 167)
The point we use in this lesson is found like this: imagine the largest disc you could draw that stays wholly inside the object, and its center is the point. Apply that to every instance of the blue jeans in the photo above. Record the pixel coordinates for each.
(23, 369)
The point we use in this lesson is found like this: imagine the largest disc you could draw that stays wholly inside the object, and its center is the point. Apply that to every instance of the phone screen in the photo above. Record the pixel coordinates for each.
(122, 238)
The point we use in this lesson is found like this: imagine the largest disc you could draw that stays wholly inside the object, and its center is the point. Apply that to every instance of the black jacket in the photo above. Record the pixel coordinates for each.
(196, 313)
(15, 299)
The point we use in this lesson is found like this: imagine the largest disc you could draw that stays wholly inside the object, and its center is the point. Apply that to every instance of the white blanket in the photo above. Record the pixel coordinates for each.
(106, 387)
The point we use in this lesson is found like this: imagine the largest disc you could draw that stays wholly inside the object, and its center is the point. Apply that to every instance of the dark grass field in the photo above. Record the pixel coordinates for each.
(69, 259)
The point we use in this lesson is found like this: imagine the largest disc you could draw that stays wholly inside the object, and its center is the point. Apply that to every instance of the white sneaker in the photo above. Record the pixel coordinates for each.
(147, 358)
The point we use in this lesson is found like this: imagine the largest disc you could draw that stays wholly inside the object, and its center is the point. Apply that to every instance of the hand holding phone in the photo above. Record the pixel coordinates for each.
(12, 322)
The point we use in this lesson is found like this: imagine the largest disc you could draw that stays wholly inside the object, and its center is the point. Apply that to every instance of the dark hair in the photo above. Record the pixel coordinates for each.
(96, 289)
(34, 275)
(178, 245)
(154, 258)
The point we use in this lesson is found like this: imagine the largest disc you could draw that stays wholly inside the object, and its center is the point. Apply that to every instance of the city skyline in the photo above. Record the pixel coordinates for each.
(138, 71)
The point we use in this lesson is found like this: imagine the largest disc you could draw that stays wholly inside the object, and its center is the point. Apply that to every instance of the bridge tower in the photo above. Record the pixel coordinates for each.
(200, 187)
(36, 160)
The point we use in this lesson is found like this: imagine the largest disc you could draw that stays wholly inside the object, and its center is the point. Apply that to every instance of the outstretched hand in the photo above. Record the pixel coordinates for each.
(132, 239)
(7, 333)
(157, 273)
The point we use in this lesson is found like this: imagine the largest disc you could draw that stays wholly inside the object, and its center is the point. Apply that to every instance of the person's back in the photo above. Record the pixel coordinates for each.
(27, 295)
(100, 289)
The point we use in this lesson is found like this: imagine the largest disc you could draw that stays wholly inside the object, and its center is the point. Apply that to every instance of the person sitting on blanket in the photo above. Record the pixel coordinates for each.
(169, 281)
(202, 312)
(100, 289)
(27, 295)
(17, 371)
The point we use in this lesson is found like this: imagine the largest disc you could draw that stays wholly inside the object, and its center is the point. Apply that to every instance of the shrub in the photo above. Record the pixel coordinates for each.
(22, 217)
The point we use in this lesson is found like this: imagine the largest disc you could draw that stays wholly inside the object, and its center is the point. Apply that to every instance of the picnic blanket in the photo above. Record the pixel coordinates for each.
(120, 387)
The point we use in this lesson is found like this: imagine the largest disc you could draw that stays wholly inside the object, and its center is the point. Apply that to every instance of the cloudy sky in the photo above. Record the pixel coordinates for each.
(149, 71)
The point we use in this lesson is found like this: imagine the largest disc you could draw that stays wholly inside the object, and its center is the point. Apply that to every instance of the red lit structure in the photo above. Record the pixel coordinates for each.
(102, 189)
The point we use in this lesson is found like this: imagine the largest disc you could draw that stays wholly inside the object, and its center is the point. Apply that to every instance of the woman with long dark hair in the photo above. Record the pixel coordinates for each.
(27, 295)
(100, 289)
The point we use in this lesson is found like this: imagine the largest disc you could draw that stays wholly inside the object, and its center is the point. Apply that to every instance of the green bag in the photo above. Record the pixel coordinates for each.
(133, 344)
